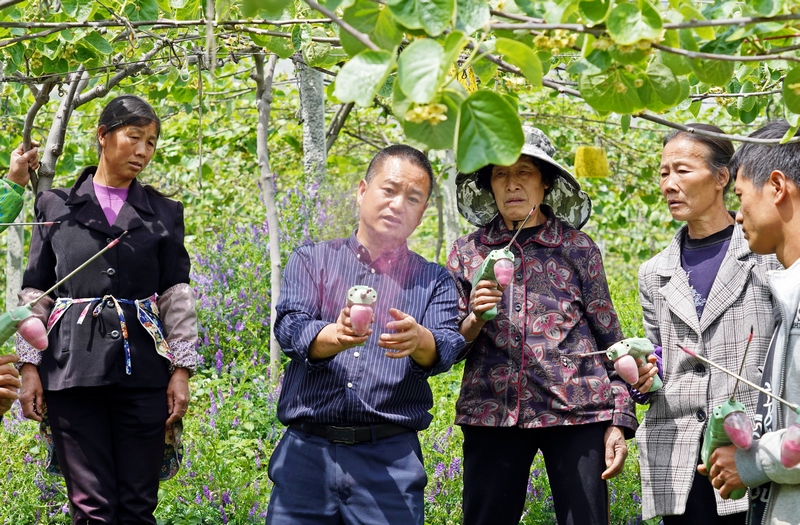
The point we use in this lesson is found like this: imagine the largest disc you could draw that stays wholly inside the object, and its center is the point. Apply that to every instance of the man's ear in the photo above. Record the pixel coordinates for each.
(778, 184)
(362, 189)
(101, 136)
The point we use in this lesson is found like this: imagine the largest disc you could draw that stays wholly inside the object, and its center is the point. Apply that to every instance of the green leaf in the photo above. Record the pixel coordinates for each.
(419, 68)
(748, 116)
(98, 42)
(485, 70)
(362, 76)
(80, 10)
(405, 11)
(766, 7)
(694, 108)
(790, 133)
(137, 10)
(280, 46)
(594, 11)
(489, 132)
(690, 13)
(714, 72)
(374, 20)
(270, 9)
(435, 15)
(523, 57)
(453, 45)
(791, 90)
(471, 15)
(664, 83)
(677, 63)
(627, 24)
(625, 121)
(400, 102)
(436, 135)
(612, 90)
(746, 103)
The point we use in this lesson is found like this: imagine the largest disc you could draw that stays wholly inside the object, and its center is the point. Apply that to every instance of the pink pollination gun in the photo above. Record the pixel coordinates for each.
(361, 299)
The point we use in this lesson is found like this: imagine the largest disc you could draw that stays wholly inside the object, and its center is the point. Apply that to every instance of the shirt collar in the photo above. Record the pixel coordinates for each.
(83, 191)
(384, 261)
(550, 235)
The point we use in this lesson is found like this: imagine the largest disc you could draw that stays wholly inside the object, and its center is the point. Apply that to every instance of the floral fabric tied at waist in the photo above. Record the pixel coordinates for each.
(146, 311)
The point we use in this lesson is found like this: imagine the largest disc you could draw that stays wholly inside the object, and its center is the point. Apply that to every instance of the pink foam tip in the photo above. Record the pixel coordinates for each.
(360, 318)
(627, 369)
(790, 447)
(504, 271)
(739, 429)
(34, 332)
(688, 351)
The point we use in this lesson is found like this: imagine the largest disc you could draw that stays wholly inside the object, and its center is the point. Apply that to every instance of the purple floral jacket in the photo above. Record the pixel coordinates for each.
(522, 370)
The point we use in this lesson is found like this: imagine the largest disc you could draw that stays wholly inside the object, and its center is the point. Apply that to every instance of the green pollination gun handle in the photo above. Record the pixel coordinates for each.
(716, 436)
(9, 321)
(486, 271)
(636, 348)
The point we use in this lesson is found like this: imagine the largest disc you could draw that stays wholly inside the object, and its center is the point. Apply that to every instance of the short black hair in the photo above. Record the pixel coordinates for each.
(128, 110)
(721, 149)
(403, 152)
(755, 162)
(548, 171)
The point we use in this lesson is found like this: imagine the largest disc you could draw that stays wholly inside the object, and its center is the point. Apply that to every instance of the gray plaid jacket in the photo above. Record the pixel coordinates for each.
(669, 438)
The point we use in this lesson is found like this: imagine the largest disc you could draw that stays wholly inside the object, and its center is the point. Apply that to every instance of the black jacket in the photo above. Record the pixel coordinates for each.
(149, 259)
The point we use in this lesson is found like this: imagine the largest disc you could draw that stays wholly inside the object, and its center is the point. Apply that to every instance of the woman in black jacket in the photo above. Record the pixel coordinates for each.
(123, 331)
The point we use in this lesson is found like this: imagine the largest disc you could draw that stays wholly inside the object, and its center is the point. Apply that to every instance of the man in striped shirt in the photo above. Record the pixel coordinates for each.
(354, 404)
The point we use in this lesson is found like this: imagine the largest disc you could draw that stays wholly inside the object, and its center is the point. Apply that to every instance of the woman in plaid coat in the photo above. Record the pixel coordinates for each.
(704, 291)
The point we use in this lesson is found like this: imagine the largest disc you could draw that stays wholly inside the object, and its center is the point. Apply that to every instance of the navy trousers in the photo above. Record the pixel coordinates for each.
(322, 483)
(497, 465)
(110, 446)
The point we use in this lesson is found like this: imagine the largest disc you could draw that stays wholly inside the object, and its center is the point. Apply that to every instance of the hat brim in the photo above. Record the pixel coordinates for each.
(566, 198)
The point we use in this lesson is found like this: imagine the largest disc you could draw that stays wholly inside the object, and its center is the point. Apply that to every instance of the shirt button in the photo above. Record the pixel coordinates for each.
(519, 277)
(358, 256)
(114, 334)
(517, 337)
(518, 307)
(701, 415)
(356, 354)
(111, 272)
(110, 303)
(699, 369)
(349, 385)
(372, 270)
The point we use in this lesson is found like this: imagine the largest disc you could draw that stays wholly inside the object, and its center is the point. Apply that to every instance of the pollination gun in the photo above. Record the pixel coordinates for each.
(361, 299)
(498, 266)
(12, 320)
(624, 355)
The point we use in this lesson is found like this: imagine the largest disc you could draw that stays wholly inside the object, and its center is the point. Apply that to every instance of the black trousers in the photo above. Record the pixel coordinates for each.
(110, 446)
(701, 507)
(497, 464)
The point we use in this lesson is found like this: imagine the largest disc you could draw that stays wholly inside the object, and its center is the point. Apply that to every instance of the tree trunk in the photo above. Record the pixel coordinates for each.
(312, 111)
(452, 222)
(15, 244)
(263, 77)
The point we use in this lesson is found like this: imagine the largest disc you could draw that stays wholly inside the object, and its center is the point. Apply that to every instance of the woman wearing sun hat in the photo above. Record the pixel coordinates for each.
(525, 387)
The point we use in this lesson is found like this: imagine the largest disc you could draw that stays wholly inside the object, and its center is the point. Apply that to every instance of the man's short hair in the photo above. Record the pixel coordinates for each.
(403, 152)
(755, 162)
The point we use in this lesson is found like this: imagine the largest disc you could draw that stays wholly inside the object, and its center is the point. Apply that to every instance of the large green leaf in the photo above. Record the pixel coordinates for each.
(270, 9)
(690, 13)
(316, 53)
(791, 90)
(746, 103)
(613, 90)
(664, 82)
(485, 70)
(98, 42)
(714, 72)
(279, 45)
(80, 10)
(419, 68)
(766, 7)
(627, 24)
(489, 132)
(138, 10)
(405, 11)
(362, 76)
(435, 134)
(523, 57)
(374, 20)
(435, 15)
(678, 64)
(594, 11)
(471, 15)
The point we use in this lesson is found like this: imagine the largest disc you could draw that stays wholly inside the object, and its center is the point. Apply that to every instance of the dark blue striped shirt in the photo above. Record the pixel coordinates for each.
(361, 385)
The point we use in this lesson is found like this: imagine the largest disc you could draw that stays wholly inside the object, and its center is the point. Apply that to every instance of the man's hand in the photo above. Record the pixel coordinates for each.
(178, 395)
(410, 339)
(646, 374)
(9, 382)
(723, 475)
(616, 451)
(22, 162)
(32, 396)
(336, 337)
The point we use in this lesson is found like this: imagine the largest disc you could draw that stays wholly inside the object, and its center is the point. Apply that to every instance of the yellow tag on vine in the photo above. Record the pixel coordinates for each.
(466, 78)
